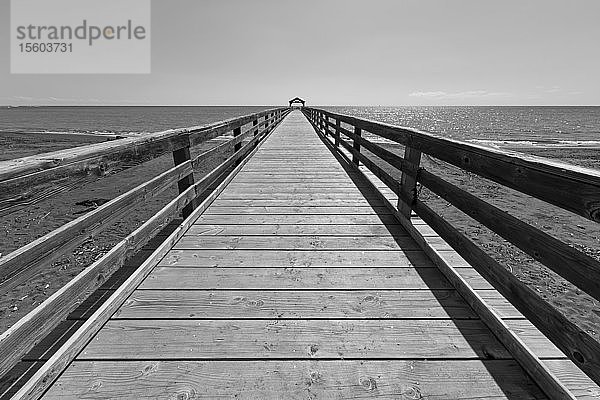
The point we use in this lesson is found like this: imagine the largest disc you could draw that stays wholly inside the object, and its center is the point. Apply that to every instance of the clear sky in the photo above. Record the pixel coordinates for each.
(345, 52)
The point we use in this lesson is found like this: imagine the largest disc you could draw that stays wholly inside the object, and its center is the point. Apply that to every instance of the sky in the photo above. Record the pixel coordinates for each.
(334, 52)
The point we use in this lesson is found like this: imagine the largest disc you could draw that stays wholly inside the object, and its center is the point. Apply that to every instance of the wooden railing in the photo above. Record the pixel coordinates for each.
(569, 187)
(21, 179)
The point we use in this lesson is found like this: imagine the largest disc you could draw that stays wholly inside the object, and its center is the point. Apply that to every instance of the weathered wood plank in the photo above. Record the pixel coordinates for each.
(498, 303)
(313, 278)
(296, 203)
(296, 258)
(379, 304)
(332, 197)
(297, 230)
(256, 210)
(193, 242)
(294, 339)
(296, 219)
(473, 379)
(574, 379)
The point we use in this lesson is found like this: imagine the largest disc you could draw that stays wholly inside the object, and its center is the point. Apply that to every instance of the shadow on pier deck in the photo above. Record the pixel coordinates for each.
(298, 278)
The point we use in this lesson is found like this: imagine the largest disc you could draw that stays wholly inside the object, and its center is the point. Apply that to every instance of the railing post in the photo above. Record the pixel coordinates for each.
(237, 132)
(408, 181)
(337, 132)
(319, 121)
(356, 146)
(266, 122)
(256, 129)
(179, 157)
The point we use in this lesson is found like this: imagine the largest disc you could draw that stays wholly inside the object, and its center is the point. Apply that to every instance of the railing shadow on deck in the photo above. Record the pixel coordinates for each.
(571, 188)
(368, 189)
(20, 178)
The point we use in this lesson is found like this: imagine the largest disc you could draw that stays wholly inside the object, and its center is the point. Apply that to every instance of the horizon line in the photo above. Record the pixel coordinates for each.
(278, 105)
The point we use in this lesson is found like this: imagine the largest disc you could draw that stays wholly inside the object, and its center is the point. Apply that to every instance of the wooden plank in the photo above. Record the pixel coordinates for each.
(498, 303)
(324, 195)
(297, 230)
(574, 379)
(256, 210)
(296, 258)
(194, 242)
(293, 339)
(312, 278)
(474, 379)
(296, 219)
(296, 203)
(335, 304)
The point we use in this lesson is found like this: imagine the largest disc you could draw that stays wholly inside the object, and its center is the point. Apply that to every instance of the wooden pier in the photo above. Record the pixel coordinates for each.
(301, 277)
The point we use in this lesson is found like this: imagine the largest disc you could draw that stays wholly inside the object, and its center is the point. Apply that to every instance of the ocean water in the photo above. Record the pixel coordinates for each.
(519, 126)
(509, 127)
(113, 120)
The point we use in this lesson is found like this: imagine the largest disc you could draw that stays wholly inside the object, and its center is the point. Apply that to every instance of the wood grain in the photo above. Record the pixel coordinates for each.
(256, 210)
(294, 339)
(374, 304)
(297, 219)
(473, 379)
(295, 258)
(296, 243)
(174, 278)
(297, 230)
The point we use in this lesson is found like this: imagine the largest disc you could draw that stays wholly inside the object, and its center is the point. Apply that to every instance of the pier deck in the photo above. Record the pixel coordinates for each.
(297, 282)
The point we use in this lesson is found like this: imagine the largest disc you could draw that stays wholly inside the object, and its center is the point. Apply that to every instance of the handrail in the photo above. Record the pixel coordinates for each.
(21, 264)
(21, 179)
(572, 188)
